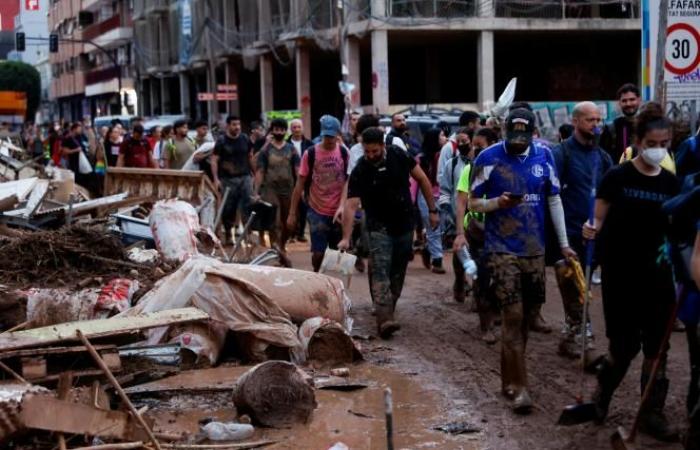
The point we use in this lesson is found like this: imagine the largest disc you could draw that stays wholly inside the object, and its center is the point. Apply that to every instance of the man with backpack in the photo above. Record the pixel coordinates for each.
(275, 176)
(581, 164)
(322, 176)
(617, 135)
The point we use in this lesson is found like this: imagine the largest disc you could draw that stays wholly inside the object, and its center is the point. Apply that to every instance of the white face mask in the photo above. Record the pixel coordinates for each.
(654, 156)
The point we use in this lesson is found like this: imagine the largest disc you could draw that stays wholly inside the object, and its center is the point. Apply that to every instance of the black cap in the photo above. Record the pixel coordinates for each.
(520, 124)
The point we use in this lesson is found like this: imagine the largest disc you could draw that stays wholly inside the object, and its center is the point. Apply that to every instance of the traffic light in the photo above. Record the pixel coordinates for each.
(53, 43)
(20, 45)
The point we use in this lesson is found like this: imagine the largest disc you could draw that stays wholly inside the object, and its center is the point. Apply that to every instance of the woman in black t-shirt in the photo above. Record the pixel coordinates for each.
(638, 289)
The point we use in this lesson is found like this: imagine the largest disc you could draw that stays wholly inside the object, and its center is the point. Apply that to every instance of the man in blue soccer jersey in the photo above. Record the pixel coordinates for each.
(512, 182)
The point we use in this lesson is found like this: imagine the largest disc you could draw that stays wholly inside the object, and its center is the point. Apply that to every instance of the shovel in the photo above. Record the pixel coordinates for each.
(621, 440)
(581, 412)
(338, 261)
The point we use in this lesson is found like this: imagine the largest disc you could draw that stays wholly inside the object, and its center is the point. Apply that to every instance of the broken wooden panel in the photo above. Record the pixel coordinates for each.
(11, 395)
(192, 186)
(20, 188)
(98, 328)
(44, 412)
(46, 367)
(217, 379)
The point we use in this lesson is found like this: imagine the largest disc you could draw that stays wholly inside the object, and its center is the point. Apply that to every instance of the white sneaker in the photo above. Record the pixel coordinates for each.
(595, 278)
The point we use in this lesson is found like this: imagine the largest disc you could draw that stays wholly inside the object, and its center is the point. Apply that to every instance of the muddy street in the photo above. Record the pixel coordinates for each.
(439, 347)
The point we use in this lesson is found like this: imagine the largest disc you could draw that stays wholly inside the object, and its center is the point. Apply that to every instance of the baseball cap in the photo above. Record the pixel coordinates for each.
(520, 124)
(330, 126)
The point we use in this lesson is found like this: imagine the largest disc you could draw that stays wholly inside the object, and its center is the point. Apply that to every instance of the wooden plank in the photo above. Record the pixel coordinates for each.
(42, 412)
(114, 326)
(53, 351)
(130, 171)
(216, 379)
(37, 196)
(20, 188)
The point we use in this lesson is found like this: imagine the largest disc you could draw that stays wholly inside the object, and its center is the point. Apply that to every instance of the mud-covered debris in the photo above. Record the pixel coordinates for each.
(275, 394)
(458, 428)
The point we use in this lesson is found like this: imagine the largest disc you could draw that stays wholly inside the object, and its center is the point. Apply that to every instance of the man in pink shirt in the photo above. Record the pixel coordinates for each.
(322, 176)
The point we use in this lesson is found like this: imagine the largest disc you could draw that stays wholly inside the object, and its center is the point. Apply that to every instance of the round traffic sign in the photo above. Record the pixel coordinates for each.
(682, 48)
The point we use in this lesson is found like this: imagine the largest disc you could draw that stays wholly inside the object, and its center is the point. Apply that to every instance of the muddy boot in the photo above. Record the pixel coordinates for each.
(609, 378)
(569, 348)
(537, 322)
(425, 257)
(437, 266)
(488, 337)
(386, 325)
(522, 403)
(653, 421)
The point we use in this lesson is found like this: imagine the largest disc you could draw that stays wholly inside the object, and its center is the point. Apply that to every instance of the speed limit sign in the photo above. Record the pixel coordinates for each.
(682, 48)
(681, 68)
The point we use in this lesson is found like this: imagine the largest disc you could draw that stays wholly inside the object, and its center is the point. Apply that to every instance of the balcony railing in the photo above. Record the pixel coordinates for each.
(432, 8)
(100, 75)
(568, 9)
(101, 28)
(544, 9)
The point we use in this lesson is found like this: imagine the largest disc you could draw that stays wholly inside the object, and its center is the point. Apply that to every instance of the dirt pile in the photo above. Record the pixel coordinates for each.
(72, 257)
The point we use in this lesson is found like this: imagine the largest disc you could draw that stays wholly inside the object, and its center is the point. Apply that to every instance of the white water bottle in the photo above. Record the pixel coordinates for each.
(468, 264)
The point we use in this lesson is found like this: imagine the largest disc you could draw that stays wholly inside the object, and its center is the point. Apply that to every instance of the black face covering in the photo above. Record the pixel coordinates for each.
(278, 137)
(516, 148)
(464, 149)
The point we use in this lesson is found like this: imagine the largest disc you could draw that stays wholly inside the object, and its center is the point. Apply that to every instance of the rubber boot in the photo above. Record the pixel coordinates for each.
(609, 378)
(386, 325)
(513, 369)
(653, 421)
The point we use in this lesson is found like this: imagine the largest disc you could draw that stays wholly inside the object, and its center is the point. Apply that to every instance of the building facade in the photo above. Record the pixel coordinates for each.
(92, 73)
(32, 21)
(398, 53)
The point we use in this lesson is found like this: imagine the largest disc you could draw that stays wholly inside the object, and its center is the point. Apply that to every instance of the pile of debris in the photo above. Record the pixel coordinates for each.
(108, 307)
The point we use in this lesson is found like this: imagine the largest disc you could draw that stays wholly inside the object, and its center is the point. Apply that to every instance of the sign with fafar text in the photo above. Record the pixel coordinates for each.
(682, 66)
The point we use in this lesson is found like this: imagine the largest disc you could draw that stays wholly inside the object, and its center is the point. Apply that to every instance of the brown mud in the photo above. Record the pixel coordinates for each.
(439, 349)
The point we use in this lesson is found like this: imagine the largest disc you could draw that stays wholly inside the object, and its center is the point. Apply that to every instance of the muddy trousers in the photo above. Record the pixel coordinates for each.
(388, 259)
(279, 233)
(621, 352)
(693, 399)
(518, 286)
(570, 294)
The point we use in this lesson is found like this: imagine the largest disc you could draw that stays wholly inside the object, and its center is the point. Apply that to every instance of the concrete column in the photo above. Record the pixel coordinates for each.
(380, 71)
(304, 87)
(354, 70)
(165, 95)
(378, 8)
(486, 8)
(266, 94)
(486, 68)
(185, 106)
(155, 104)
(234, 106)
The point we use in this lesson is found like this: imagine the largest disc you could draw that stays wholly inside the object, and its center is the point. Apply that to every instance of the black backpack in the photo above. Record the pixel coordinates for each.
(312, 159)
